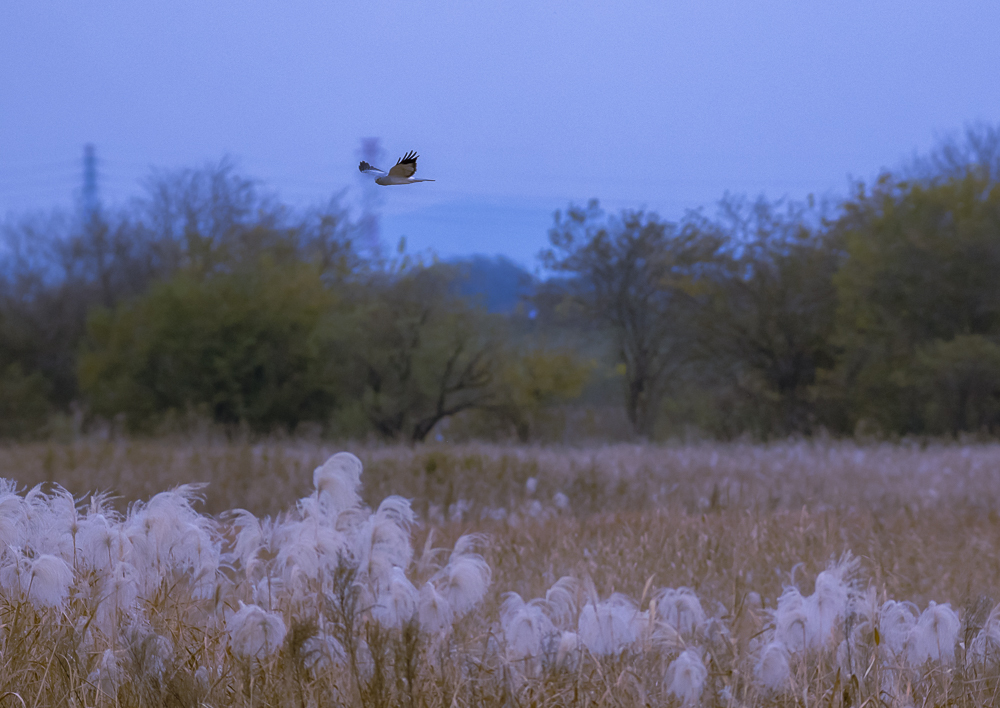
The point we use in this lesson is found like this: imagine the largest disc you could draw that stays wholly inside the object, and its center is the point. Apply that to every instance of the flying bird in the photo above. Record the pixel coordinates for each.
(401, 173)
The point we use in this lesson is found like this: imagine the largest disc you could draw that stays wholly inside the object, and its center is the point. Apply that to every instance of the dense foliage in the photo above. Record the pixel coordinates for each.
(209, 299)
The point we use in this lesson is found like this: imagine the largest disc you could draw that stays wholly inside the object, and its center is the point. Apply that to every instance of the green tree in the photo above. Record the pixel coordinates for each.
(418, 353)
(533, 380)
(767, 331)
(55, 268)
(24, 405)
(243, 347)
(920, 272)
(638, 278)
(958, 383)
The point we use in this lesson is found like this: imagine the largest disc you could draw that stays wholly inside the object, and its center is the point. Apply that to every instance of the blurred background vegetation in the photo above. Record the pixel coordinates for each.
(210, 301)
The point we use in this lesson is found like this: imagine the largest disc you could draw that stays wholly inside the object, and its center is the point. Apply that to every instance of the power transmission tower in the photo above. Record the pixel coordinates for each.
(89, 200)
(371, 200)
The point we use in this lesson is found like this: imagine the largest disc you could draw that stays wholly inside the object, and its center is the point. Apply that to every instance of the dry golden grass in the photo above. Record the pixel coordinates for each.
(722, 519)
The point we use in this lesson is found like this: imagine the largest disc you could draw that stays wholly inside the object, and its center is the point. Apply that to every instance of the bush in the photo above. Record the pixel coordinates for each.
(960, 384)
(24, 406)
(242, 347)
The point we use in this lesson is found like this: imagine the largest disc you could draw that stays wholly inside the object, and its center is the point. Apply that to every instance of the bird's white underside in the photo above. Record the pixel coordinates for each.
(389, 180)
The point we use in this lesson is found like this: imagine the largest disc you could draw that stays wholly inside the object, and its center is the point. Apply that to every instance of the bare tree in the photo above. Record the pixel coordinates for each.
(975, 150)
(639, 277)
(420, 353)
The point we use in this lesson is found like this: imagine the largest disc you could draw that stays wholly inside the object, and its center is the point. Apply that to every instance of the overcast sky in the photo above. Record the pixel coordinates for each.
(516, 108)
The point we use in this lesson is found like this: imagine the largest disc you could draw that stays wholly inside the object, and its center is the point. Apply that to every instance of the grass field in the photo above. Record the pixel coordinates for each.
(817, 574)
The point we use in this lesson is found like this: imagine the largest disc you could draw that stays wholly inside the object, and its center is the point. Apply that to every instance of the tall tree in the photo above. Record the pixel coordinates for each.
(768, 331)
(921, 271)
(418, 353)
(638, 277)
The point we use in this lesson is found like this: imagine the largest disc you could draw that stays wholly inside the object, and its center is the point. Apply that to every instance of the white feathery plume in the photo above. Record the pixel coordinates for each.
(526, 629)
(267, 591)
(681, 609)
(396, 604)
(323, 652)
(896, 621)
(772, 669)
(101, 542)
(792, 628)
(304, 548)
(254, 632)
(381, 543)
(119, 589)
(433, 610)
(609, 627)
(934, 636)
(829, 602)
(49, 580)
(150, 652)
(331, 546)
(466, 577)
(685, 677)
(169, 537)
(337, 481)
(203, 678)
(804, 623)
(297, 553)
(398, 509)
(108, 675)
(15, 572)
(13, 517)
(53, 521)
(568, 651)
(468, 542)
(985, 648)
(562, 600)
(249, 538)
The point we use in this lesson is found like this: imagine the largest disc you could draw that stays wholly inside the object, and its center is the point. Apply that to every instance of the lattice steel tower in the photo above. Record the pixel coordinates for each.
(89, 200)
(371, 199)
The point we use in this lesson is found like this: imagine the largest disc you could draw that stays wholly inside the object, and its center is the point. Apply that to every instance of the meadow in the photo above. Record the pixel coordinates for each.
(799, 573)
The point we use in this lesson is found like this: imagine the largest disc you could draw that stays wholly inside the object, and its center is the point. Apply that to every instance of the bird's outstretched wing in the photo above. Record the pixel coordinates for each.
(405, 166)
(369, 170)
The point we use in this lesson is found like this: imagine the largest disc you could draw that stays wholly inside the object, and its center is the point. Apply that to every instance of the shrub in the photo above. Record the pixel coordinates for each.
(241, 346)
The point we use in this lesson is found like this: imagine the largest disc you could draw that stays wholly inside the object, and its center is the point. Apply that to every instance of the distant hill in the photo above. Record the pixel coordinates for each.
(497, 282)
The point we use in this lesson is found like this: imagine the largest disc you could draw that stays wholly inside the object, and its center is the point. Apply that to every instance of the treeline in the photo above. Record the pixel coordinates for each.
(210, 300)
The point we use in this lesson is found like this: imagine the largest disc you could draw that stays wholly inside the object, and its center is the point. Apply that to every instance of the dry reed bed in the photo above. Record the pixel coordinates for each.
(266, 477)
(723, 520)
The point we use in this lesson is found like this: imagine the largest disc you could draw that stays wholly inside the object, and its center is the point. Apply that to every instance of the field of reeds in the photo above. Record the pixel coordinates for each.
(802, 573)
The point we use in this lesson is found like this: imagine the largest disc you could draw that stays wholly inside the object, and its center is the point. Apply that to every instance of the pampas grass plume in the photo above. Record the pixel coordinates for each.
(896, 621)
(465, 579)
(525, 627)
(49, 581)
(609, 626)
(433, 610)
(772, 669)
(685, 677)
(681, 609)
(254, 632)
(337, 481)
(396, 604)
(934, 636)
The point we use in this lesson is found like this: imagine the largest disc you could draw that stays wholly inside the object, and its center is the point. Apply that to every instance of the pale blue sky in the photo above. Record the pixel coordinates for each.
(516, 107)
